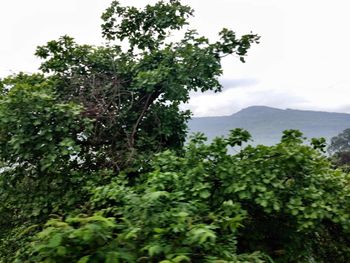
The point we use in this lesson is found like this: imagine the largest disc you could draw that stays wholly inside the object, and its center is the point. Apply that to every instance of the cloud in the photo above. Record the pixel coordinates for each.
(234, 98)
(300, 63)
(228, 83)
(233, 83)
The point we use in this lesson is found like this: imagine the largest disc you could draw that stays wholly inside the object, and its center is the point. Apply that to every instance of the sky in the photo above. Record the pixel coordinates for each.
(302, 61)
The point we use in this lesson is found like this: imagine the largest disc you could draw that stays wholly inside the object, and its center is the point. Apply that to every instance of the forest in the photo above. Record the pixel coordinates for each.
(97, 165)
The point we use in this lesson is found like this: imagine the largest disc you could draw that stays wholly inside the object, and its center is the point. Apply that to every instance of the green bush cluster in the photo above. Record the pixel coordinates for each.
(282, 203)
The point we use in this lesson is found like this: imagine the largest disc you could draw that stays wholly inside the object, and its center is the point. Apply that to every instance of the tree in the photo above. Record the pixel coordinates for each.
(340, 143)
(134, 95)
(339, 149)
(93, 112)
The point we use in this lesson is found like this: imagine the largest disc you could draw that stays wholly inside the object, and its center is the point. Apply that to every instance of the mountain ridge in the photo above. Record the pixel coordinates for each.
(267, 123)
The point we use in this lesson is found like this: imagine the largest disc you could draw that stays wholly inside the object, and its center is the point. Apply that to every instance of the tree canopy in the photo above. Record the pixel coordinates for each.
(339, 149)
(132, 87)
(340, 143)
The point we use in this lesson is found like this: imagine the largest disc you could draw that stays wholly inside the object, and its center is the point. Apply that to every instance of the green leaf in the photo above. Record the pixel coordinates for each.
(84, 259)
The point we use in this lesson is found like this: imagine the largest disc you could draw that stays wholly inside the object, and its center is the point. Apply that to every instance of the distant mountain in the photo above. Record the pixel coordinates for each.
(266, 124)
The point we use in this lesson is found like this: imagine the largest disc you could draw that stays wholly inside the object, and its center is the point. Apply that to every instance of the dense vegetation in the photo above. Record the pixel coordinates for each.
(94, 166)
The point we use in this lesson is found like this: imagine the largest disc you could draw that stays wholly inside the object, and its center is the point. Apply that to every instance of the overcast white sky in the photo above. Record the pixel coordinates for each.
(302, 61)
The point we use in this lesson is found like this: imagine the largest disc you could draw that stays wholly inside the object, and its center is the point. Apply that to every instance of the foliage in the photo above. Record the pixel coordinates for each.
(88, 236)
(94, 111)
(38, 131)
(39, 151)
(339, 150)
(340, 143)
(93, 167)
(134, 95)
(208, 206)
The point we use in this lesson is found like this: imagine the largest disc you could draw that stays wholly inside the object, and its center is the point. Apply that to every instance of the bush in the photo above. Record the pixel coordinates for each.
(282, 202)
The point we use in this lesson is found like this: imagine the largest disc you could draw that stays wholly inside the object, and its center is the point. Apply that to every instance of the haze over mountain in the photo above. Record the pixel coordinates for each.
(266, 124)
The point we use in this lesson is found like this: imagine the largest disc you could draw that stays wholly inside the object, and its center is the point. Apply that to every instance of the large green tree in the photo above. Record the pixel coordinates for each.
(132, 87)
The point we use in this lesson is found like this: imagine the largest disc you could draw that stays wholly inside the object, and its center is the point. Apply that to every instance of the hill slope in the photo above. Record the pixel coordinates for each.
(266, 124)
